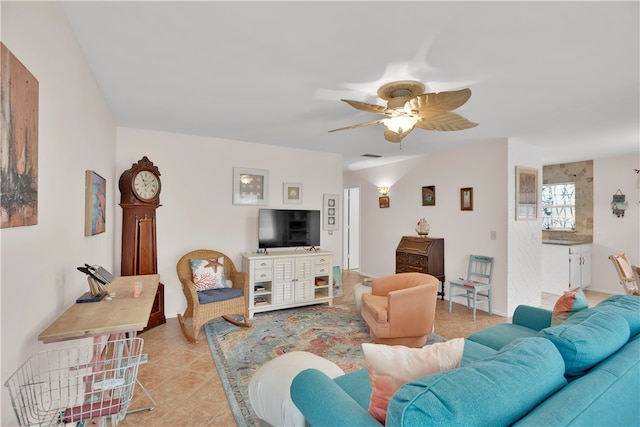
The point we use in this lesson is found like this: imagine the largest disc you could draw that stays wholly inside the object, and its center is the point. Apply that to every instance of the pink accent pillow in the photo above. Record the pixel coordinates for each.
(569, 303)
(392, 366)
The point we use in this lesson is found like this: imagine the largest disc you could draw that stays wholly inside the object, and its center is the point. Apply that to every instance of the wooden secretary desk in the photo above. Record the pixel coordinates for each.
(421, 255)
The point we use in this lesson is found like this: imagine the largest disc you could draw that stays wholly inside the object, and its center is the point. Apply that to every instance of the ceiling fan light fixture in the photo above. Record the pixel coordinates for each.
(409, 107)
(401, 124)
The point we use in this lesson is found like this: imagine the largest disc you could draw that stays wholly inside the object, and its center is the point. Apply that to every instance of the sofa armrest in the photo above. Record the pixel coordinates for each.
(325, 403)
(532, 317)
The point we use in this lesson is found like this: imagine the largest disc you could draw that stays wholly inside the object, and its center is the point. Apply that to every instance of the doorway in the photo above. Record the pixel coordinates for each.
(351, 235)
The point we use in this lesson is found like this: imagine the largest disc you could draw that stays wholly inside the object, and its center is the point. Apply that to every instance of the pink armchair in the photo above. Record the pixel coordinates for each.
(401, 308)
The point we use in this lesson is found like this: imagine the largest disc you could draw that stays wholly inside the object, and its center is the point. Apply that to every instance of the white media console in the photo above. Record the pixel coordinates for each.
(288, 279)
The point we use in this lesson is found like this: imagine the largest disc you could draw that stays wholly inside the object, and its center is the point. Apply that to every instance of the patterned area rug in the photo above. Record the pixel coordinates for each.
(331, 332)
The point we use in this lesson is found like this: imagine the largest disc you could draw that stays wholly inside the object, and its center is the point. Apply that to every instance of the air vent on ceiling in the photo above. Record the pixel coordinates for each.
(375, 156)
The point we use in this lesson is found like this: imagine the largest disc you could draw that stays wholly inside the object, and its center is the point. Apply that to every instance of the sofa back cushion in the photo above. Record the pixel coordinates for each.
(496, 391)
(627, 306)
(586, 338)
(498, 336)
(606, 396)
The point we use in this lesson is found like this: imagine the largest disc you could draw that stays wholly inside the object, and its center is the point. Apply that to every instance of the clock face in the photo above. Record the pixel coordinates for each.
(146, 185)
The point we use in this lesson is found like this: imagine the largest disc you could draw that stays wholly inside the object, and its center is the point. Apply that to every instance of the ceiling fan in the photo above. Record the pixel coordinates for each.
(409, 107)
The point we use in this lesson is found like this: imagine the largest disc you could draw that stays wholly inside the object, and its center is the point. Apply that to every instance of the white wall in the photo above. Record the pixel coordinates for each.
(483, 167)
(613, 235)
(76, 132)
(525, 237)
(196, 198)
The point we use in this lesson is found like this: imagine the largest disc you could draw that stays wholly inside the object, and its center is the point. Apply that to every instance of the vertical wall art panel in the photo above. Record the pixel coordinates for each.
(95, 204)
(18, 143)
(330, 208)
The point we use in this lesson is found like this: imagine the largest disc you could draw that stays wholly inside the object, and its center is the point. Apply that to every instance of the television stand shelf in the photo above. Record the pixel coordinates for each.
(286, 279)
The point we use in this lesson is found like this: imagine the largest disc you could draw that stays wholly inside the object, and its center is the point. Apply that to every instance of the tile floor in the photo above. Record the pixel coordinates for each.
(182, 378)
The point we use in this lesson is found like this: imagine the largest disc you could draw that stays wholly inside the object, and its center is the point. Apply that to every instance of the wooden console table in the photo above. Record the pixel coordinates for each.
(124, 314)
(116, 319)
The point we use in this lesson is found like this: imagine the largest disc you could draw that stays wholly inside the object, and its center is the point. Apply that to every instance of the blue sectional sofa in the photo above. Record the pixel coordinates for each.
(583, 372)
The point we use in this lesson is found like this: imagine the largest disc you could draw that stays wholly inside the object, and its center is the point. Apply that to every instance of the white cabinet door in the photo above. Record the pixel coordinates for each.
(555, 269)
(575, 264)
(283, 281)
(565, 267)
(304, 279)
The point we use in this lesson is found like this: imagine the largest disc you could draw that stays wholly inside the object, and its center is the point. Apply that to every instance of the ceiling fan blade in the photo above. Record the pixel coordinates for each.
(359, 125)
(439, 101)
(363, 106)
(392, 136)
(445, 121)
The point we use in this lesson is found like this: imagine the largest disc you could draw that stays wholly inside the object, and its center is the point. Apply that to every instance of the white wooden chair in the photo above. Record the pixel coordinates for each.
(477, 284)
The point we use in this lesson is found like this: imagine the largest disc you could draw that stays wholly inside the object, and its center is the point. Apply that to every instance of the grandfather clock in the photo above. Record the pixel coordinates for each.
(139, 198)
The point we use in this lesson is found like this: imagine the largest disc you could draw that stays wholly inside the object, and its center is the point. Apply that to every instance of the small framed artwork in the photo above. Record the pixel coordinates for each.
(330, 208)
(292, 193)
(95, 204)
(466, 199)
(250, 186)
(429, 195)
(526, 194)
(383, 201)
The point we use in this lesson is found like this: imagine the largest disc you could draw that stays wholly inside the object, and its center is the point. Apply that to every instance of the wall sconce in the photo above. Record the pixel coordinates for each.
(618, 204)
(383, 201)
(383, 190)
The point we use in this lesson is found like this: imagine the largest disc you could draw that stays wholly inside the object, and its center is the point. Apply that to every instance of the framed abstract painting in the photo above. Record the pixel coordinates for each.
(95, 204)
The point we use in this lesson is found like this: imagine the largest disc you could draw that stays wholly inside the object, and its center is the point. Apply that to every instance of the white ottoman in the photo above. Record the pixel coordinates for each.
(358, 290)
(269, 386)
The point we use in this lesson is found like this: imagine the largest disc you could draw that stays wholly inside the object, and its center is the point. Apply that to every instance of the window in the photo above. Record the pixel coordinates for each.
(559, 207)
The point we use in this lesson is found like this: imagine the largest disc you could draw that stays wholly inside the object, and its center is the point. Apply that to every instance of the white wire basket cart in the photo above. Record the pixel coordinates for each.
(76, 384)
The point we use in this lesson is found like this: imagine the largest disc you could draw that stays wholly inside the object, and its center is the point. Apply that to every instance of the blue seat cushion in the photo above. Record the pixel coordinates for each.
(587, 338)
(218, 294)
(627, 306)
(496, 391)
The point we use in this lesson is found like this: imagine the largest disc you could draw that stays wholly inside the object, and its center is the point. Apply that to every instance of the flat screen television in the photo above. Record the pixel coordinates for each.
(288, 228)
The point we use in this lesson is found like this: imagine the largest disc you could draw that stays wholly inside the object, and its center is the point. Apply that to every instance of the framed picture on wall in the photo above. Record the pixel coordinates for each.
(429, 195)
(330, 211)
(250, 186)
(466, 199)
(95, 200)
(19, 134)
(292, 193)
(526, 194)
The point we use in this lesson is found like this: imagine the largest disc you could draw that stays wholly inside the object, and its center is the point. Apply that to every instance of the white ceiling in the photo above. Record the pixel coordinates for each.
(560, 75)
